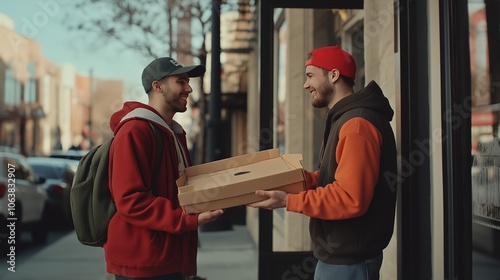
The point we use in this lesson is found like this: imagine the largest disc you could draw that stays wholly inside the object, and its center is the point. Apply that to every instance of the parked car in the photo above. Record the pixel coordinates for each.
(69, 154)
(23, 201)
(58, 174)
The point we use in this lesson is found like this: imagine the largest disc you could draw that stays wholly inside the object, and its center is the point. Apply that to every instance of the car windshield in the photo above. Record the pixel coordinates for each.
(49, 171)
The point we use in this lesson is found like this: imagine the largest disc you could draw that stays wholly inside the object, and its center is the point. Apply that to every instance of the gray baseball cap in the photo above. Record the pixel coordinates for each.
(167, 66)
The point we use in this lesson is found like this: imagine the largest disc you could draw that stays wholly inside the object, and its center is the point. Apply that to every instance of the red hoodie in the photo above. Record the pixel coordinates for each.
(149, 235)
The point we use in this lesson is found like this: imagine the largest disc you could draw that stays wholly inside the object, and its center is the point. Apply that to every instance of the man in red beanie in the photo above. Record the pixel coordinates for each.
(351, 199)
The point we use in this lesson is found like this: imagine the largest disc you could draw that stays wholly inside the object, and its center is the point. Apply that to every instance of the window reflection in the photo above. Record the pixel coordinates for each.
(485, 141)
(281, 90)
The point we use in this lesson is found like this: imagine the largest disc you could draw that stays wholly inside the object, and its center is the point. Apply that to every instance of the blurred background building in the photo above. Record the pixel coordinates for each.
(48, 107)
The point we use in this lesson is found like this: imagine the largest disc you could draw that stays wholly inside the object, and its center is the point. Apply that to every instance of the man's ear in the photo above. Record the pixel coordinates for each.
(333, 75)
(156, 86)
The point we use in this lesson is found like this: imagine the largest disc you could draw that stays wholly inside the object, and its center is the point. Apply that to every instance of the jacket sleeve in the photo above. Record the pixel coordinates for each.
(311, 179)
(349, 196)
(130, 172)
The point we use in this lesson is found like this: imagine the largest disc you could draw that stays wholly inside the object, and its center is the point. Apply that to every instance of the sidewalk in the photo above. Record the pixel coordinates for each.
(222, 255)
(227, 255)
(62, 260)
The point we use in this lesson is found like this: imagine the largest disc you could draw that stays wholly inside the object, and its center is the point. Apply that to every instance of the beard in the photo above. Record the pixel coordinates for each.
(174, 101)
(323, 96)
(177, 105)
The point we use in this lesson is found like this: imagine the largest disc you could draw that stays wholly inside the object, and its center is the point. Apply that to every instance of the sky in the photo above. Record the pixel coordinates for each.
(43, 21)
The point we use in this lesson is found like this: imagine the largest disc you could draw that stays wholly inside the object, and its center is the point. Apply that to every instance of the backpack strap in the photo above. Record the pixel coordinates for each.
(151, 116)
(159, 155)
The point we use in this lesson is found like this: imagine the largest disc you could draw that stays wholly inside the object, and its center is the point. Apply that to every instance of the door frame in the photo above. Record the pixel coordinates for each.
(273, 265)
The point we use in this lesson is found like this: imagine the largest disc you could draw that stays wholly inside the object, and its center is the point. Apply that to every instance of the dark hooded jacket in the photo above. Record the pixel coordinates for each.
(352, 197)
(149, 235)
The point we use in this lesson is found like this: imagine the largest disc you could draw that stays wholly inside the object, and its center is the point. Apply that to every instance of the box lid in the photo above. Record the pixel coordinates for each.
(241, 175)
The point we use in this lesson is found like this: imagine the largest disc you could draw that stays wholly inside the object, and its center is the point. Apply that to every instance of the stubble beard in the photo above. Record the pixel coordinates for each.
(324, 94)
(176, 104)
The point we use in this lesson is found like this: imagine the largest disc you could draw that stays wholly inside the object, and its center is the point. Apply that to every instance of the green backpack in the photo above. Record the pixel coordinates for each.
(92, 206)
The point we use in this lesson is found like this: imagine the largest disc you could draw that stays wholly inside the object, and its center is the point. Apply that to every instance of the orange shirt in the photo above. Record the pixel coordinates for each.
(349, 196)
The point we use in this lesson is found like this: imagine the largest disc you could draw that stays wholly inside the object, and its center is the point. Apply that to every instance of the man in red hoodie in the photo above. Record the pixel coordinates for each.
(150, 237)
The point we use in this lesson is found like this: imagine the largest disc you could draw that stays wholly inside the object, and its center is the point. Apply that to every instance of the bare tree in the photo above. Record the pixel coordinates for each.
(146, 26)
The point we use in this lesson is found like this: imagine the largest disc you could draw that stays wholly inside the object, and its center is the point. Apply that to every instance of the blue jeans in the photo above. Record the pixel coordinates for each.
(173, 276)
(365, 270)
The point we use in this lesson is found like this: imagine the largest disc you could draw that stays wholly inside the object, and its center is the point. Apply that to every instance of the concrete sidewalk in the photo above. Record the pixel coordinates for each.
(227, 255)
(222, 255)
(64, 259)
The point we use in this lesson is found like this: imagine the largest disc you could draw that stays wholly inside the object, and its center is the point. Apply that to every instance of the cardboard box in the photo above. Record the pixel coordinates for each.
(233, 181)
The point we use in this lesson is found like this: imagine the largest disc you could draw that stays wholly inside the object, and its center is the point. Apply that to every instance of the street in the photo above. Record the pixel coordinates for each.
(26, 249)
(230, 254)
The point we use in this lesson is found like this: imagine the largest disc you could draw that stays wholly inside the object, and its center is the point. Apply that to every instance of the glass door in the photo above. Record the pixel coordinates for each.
(484, 38)
(283, 44)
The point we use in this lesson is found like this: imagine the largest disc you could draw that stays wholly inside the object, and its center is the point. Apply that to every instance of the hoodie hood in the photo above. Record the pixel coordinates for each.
(371, 97)
(114, 122)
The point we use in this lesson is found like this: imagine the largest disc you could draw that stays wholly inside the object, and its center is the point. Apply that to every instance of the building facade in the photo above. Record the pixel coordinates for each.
(46, 107)
(437, 62)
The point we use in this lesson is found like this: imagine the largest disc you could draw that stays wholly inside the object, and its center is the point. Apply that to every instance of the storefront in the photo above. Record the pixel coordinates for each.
(484, 39)
(438, 63)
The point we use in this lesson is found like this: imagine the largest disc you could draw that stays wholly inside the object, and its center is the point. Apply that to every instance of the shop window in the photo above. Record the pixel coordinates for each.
(30, 85)
(485, 100)
(352, 40)
(12, 89)
(297, 125)
(280, 93)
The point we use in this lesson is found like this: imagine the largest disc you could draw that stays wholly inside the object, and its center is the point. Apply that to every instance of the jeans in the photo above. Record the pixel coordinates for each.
(365, 270)
(173, 276)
